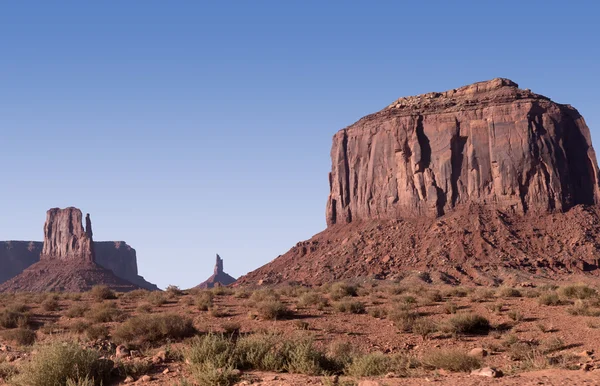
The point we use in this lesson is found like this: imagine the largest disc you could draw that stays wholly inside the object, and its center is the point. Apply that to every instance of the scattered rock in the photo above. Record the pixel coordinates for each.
(145, 378)
(478, 352)
(129, 379)
(487, 372)
(122, 352)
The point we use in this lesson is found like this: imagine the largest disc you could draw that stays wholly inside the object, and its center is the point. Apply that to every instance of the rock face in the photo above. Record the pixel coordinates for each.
(478, 184)
(65, 238)
(218, 278)
(67, 261)
(118, 256)
(489, 143)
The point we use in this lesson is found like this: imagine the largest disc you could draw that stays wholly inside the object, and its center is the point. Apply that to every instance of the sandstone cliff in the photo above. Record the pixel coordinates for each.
(473, 184)
(67, 261)
(489, 143)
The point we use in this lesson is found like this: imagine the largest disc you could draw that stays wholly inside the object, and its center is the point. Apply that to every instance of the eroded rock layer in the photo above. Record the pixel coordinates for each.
(218, 278)
(473, 184)
(489, 143)
(67, 261)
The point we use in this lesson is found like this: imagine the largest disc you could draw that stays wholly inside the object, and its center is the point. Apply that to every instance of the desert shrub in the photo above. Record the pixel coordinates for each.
(102, 292)
(303, 358)
(577, 291)
(76, 311)
(153, 328)
(231, 328)
(495, 307)
(450, 308)
(509, 292)
(214, 349)
(136, 294)
(582, 308)
(549, 299)
(134, 368)
(457, 292)
(369, 365)
(144, 308)
(20, 336)
(481, 295)
(341, 290)
(7, 371)
(242, 294)
(58, 362)
(350, 306)
(79, 326)
(468, 323)
(308, 299)
(207, 374)
(221, 291)
(404, 320)
(17, 307)
(104, 312)
(272, 310)
(174, 291)
(264, 294)
(96, 331)
(259, 352)
(450, 360)
(517, 316)
(50, 304)
(204, 300)
(378, 312)
(434, 296)
(302, 325)
(156, 298)
(552, 344)
(11, 319)
(424, 327)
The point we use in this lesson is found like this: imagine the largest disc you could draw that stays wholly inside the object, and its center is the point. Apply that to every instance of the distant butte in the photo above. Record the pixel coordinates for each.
(67, 261)
(476, 184)
(218, 278)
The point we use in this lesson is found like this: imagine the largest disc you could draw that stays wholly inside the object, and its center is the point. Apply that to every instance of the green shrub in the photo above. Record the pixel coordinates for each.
(272, 310)
(134, 368)
(369, 365)
(424, 327)
(207, 374)
(468, 324)
(96, 331)
(156, 298)
(214, 349)
(50, 305)
(451, 360)
(57, 363)
(153, 328)
(341, 290)
(404, 320)
(11, 319)
(105, 312)
(20, 336)
(351, 307)
(549, 299)
(578, 291)
(509, 292)
(102, 292)
(76, 311)
(204, 301)
(308, 299)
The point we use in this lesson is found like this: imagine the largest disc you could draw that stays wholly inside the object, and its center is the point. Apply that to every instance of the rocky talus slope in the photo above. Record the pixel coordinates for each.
(471, 184)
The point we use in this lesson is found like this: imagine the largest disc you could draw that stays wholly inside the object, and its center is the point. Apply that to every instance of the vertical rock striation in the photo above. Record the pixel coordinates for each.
(488, 143)
(65, 238)
(218, 278)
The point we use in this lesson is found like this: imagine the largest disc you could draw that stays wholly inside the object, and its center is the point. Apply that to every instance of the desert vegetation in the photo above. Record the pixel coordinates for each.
(340, 332)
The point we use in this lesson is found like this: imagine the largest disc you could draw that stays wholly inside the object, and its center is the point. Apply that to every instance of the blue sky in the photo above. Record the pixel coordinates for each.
(188, 128)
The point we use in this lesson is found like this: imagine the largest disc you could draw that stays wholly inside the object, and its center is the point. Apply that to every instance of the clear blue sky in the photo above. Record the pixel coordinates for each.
(188, 128)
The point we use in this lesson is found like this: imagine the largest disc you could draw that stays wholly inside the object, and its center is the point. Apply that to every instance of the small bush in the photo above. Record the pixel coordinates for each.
(450, 308)
(156, 298)
(308, 299)
(104, 312)
(517, 316)
(509, 292)
(96, 331)
(378, 313)
(174, 291)
(144, 308)
(7, 371)
(20, 336)
(76, 311)
(214, 349)
(578, 291)
(102, 292)
(341, 290)
(209, 375)
(231, 328)
(58, 363)
(153, 328)
(204, 301)
(11, 319)
(424, 327)
(351, 307)
(264, 294)
(450, 360)
(468, 324)
(549, 299)
(79, 326)
(135, 368)
(272, 310)
(50, 305)
(404, 320)
(369, 365)
(302, 325)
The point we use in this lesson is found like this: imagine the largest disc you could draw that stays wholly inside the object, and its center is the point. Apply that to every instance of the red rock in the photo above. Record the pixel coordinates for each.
(67, 262)
(468, 185)
(218, 278)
